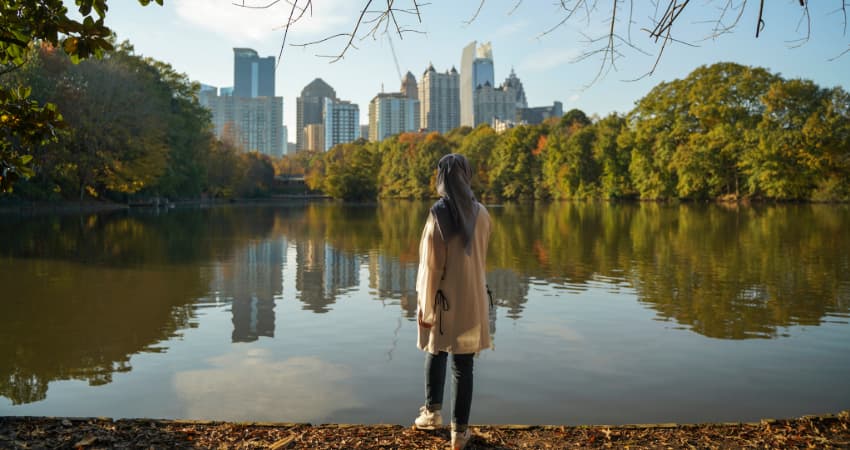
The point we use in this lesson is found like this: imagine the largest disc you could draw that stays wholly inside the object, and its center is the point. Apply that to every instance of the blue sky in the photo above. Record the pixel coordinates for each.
(197, 38)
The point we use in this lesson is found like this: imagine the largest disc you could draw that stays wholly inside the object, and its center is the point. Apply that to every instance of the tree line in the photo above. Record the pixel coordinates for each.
(129, 127)
(132, 127)
(726, 131)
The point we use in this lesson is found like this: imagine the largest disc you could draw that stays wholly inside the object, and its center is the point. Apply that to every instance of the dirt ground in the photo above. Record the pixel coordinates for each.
(826, 431)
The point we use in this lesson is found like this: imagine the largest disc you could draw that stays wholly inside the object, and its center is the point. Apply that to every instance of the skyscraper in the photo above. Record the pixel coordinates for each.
(309, 107)
(439, 100)
(248, 114)
(494, 103)
(476, 69)
(482, 66)
(501, 102)
(252, 76)
(409, 87)
(514, 82)
(252, 124)
(467, 88)
(391, 114)
(341, 121)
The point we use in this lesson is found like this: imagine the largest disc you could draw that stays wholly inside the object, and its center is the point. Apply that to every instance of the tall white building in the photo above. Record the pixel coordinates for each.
(252, 124)
(476, 69)
(341, 120)
(248, 114)
(439, 100)
(391, 114)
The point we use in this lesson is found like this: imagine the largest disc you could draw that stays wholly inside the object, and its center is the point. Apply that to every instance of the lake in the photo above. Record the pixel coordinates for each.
(604, 313)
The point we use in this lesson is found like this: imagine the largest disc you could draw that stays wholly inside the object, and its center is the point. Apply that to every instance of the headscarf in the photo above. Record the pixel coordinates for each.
(457, 210)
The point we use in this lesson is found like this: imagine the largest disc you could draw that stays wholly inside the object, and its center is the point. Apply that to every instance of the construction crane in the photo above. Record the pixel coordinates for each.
(395, 59)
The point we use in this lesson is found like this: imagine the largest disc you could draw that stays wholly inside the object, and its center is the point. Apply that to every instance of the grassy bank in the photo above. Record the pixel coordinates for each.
(825, 431)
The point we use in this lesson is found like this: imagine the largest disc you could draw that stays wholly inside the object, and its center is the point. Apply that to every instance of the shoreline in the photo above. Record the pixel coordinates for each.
(820, 431)
(28, 208)
(33, 208)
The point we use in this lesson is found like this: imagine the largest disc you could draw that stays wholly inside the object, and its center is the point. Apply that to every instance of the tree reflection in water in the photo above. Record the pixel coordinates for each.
(81, 294)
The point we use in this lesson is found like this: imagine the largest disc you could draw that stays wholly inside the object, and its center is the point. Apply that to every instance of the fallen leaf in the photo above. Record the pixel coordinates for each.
(283, 443)
(86, 441)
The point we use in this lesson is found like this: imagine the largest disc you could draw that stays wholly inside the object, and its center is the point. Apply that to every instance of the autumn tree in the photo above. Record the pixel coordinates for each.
(25, 24)
(351, 171)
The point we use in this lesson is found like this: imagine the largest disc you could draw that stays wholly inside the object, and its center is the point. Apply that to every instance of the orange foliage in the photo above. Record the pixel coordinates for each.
(575, 126)
(408, 138)
(541, 253)
(541, 144)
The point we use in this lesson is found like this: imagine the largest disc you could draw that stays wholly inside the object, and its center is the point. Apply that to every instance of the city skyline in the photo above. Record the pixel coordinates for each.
(197, 38)
(248, 113)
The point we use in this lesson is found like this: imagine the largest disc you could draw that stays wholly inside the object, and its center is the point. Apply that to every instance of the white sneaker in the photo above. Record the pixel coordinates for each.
(428, 420)
(459, 440)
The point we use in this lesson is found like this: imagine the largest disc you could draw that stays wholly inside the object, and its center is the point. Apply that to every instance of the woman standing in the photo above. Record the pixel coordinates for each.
(452, 294)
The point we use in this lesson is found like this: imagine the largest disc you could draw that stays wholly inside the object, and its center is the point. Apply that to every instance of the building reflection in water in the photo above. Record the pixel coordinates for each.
(251, 280)
(510, 290)
(322, 273)
(395, 280)
(253, 277)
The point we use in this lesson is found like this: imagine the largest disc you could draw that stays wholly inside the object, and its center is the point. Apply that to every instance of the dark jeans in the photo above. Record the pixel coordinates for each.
(435, 381)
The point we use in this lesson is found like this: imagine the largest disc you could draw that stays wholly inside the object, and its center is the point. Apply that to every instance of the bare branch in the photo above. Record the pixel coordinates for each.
(570, 13)
(719, 27)
(760, 22)
(799, 42)
(324, 39)
(474, 16)
(416, 6)
(353, 33)
(840, 54)
(513, 10)
(843, 10)
(386, 17)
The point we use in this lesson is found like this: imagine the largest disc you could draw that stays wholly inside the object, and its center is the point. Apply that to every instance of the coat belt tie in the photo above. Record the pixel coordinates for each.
(441, 303)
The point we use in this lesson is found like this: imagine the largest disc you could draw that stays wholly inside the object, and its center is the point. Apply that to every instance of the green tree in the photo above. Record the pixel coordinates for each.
(782, 165)
(222, 166)
(723, 105)
(23, 25)
(255, 176)
(827, 134)
(351, 171)
(569, 167)
(613, 156)
(115, 112)
(688, 136)
(515, 163)
(189, 134)
(477, 146)
(573, 117)
(409, 164)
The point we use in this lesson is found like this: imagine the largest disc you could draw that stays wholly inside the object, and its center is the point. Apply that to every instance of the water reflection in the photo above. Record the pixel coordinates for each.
(251, 385)
(65, 320)
(82, 294)
(393, 279)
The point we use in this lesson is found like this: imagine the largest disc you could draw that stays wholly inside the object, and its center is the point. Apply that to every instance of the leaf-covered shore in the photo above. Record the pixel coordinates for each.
(824, 431)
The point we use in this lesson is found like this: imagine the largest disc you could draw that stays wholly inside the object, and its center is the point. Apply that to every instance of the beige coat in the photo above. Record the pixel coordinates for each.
(465, 324)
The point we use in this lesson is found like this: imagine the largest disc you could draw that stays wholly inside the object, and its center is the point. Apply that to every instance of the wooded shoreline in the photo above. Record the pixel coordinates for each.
(94, 206)
(820, 431)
